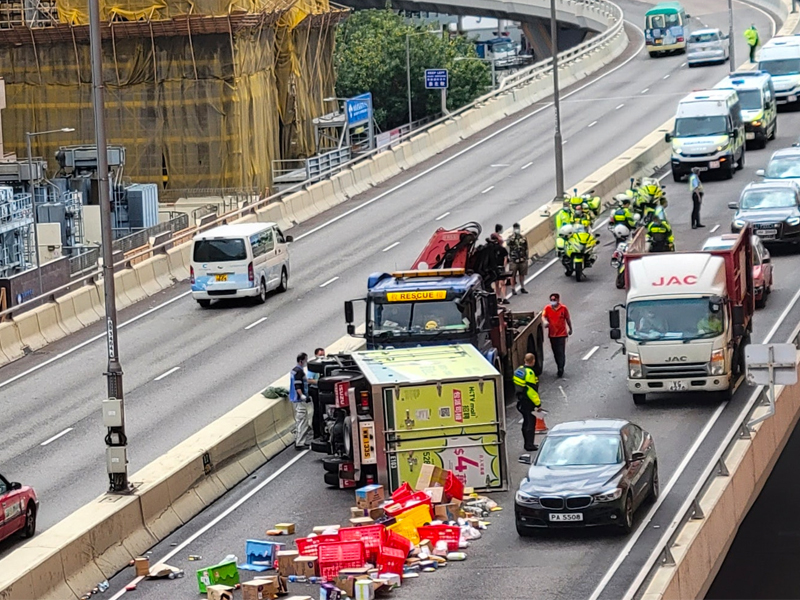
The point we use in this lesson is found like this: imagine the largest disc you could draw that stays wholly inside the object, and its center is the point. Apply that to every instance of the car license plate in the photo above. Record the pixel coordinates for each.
(714, 164)
(792, 98)
(677, 386)
(222, 277)
(657, 42)
(750, 135)
(566, 516)
(767, 232)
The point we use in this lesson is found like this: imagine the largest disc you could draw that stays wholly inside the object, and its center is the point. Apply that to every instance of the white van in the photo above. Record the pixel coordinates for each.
(238, 261)
(709, 134)
(757, 98)
(780, 57)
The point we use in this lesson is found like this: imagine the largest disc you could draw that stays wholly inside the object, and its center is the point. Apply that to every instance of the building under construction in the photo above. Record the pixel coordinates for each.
(201, 93)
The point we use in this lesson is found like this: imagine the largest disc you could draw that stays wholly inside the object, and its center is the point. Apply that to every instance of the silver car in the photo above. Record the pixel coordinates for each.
(707, 46)
(784, 164)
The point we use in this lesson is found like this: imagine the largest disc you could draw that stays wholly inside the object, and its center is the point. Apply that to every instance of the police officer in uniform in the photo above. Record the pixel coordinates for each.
(528, 402)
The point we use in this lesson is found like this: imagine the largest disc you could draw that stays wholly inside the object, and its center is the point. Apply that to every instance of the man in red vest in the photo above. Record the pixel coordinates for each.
(559, 327)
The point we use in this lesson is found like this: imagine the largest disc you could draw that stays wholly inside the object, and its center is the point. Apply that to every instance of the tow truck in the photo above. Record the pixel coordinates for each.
(443, 299)
(688, 318)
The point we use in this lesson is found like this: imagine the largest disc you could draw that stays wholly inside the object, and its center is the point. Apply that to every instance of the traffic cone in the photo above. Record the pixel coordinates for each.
(541, 426)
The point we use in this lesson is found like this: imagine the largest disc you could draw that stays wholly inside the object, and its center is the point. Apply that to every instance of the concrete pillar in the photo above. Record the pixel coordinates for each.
(538, 33)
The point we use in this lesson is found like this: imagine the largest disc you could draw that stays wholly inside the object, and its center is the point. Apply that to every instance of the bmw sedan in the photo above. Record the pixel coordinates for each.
(772, 208)
(588, 473)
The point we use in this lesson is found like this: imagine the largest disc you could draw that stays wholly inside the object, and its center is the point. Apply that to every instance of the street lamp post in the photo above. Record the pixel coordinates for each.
(408, 66)
(31, 190)
(731, 44)
(113, 408)
(558, 142)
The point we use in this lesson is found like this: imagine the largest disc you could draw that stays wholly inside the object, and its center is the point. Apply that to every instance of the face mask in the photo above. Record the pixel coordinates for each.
(516, 231)
(554, 303)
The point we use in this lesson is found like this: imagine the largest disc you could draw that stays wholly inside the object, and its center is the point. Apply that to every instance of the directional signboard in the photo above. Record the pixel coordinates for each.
(359, 109)
(436, 79)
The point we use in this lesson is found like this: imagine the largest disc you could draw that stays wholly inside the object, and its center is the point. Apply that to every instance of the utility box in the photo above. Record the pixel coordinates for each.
(112, 412)
(116, 459)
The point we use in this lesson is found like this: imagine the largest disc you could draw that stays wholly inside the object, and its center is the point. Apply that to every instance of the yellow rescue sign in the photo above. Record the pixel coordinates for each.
(418, 296)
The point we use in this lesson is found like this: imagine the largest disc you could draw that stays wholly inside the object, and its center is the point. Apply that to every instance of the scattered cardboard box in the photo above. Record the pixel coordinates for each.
(142, 566)
(374, 513)
(286, 562)
(361, 521)
(346, 579)
(447, 512)
(219, 592)
(356, 511)
(369, 496)
(430, 476)
(265, 588)
(436, 494)
(329, 591)
(306, 566)
(287, 528)
(162, 570)
(320, 529)
(299, 598)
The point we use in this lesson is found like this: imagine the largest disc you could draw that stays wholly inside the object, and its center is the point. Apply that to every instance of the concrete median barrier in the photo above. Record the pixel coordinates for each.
(49, 326)
(11, 346)
(146, 276)
(88, 306)
(28, 327)
(161, 271)
(67, 315)
(178, 266)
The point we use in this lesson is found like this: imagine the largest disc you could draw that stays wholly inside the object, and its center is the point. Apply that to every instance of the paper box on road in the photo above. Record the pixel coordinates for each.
(361, 521)
(320, 529)
(142, 566)
(369, 496)
(286, 562)
(220, 592)
(437, 494)
(286, 528)
(447, 512)
(260, 589)
(307, 566)
(431, 476)
(346, 579)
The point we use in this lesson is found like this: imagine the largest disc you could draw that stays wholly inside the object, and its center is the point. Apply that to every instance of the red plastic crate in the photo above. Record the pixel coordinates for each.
(408, 503)
(397, 541)
(435, 533)
(391, 560)
(333, 557)
(401, 493)
(453, 486)
(308, 546)
(370, 535)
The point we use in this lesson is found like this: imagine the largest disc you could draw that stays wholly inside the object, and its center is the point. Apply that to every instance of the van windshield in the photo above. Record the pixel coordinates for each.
(750, 99)
(219, 250)
(700, 126)
(783, 66)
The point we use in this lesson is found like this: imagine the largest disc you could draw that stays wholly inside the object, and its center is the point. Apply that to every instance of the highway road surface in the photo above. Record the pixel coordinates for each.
(184, 366)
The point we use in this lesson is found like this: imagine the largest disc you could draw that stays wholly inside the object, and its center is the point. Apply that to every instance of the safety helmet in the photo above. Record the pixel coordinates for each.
(621, 232)
(637, 217)
(566, 230)
(622, 198)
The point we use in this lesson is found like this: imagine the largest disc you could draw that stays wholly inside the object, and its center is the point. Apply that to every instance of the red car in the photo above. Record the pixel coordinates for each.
(762, 264)
(18, 508)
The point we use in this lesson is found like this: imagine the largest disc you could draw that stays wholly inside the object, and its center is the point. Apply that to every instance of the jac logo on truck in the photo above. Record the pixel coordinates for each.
(677, 359)
(687, 280)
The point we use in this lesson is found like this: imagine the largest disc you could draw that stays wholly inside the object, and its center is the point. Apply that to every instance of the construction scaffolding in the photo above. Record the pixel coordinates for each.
(202, 94)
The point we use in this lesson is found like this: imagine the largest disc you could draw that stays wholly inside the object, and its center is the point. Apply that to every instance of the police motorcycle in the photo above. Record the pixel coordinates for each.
(630, 222)
(621, 236)
(590, 204)
(650, 196)
(579, 253)
(659, 241)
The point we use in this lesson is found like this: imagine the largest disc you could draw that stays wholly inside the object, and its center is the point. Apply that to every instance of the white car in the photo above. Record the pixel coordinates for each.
(707, 46)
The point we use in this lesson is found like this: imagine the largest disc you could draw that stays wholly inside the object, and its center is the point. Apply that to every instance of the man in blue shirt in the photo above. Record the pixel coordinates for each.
(301, 402)
(313, 388)
(696, 189)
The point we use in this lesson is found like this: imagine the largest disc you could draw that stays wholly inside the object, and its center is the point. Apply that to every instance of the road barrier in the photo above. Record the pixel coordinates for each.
(309, 199)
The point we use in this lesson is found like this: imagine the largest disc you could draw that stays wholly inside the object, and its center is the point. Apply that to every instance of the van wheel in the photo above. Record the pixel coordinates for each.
(204, 303)
(676, 176)
(284, 284)
(639, 399)
(262, 292)
(740, 164)
(728, 174)
(774, 133)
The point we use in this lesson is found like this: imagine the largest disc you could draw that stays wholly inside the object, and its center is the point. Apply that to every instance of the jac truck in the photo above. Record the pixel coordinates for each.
(444, 299)
(388, 412)
(686, 320)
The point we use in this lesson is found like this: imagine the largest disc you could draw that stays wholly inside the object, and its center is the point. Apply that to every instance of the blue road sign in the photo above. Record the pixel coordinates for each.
(436, 79)
(359, 109)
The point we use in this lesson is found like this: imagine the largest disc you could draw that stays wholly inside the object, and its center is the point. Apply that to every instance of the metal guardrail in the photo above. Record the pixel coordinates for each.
(614, 17)
(84, 260)
(141, 237)
(690, 510)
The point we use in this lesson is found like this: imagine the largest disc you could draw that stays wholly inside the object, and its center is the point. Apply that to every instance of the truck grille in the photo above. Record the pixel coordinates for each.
(678, 370)
(552, 503)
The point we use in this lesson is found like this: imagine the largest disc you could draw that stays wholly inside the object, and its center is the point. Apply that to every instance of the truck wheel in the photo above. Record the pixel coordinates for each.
(321, 447)
(639, 399)
(331, 463)
(676, 176)
(332, 479)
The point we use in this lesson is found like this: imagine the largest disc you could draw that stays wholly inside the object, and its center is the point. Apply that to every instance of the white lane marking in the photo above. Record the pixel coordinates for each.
(542, 270)
(683, 64)
(167, 374)
(489, 189)
(526, 165)
(645, 90)
(651, 513)
(234, 507)
(590, 353)
(681, 468)
(390, 246)
(330, 281)
(713, 229)
(480, 142)
(500, 165)
(440, 217)
(564, 143)
(665, 76)
(89, 341)
(592, 124)
(261, 320)
(56, 436)
(619, 106)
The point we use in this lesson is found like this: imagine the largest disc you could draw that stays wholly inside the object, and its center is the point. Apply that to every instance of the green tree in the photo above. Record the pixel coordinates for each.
(370, 56)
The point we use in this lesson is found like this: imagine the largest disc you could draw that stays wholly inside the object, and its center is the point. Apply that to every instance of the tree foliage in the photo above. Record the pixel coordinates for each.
(370, 56)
